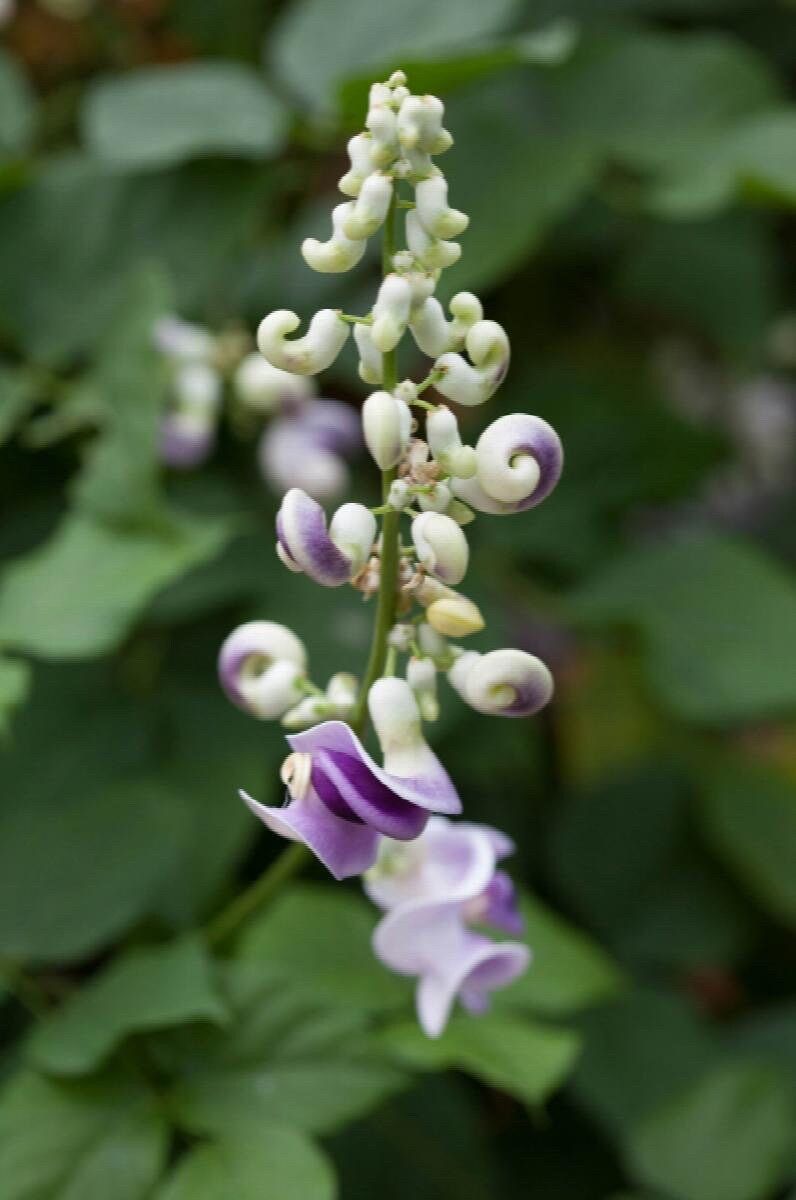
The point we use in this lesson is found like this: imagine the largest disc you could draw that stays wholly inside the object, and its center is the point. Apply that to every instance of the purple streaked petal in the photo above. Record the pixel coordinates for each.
(499, 905)
(301, 530)
(432, 789)
(366, 796)
(343, 848)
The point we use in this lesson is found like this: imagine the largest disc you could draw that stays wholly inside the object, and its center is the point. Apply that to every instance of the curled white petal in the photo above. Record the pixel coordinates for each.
(437, 218)
(433, 253)
(519, 459)
(504, 683)
(370, 208)
(386, 425)
(267, 389)
(259, 666)
(472, 383)
(382, 124)
(391, 312)
(306, 355)
(371, 363)
(353, 531)
(421, 675)
(466, 310)
(341, 252)
(361, 155)
(441, 546)
(420, 125)
(445, 443)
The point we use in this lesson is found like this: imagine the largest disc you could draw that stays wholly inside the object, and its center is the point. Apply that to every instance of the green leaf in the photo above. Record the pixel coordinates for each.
(286, 1057)
(14, 685)
(568, 972)
(749, 815)
(524, 1058)
(78, 594)
(292, 1166)
(322, 938)
(727, 1137)
(78, 867)
(17, 397)
(316, 45)
(281, 1162)
(61, 1141)
(16, 107)
(142, 989)
(159, 116)
(717, 617)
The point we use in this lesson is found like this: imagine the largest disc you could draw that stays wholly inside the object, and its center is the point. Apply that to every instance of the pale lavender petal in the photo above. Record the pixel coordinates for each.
(288, 458)
(344, 848)
(301, 530)
(448, 861)
(432, 790)
(499, 905)
(332, 426)
(183, 445)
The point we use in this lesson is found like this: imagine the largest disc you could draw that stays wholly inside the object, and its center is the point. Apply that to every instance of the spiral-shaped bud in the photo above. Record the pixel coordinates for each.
(504, 683)
(370, 207)
(441, 546)
(260, 666)
(387, 427)
(341, 252)
(474, 382)
(361, 154)
(391, 312)
(432, 253)
(420, 125)
(306, 355)
(267, 389)
(445, 443)
(519, 460)
(436, 217)
(331, 557)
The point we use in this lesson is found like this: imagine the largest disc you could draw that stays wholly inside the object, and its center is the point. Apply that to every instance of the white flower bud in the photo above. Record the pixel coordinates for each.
(341, 252)
(433, 333)
(391, 312)
(445, 443)
(519, 459)
(267, 389)
(431, 642)
(179, 339)
(401, 637)
(458, 674)
(361, 154)
(387, 427)
(505, 683)
(371, 363)
(441, 546)
(437, 500)
(353, 531)
(306, 355)
(399, 495)
(341, 691)
(454, 616)
(260, 665)
(370, 208)
(421, 675)
(396, 719)
(432, 252)
(382, 124)
(466, 309)
(407, 391)
(197, 389)
(420, 125)
(474, 382)
(397, 80)
(437, 218)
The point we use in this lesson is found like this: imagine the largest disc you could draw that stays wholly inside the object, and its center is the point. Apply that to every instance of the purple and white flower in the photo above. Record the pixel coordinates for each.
(503, 683)
(341, 801)
(260, 667)
(330, 556)
(433, 891)
(307, 448)
(519, 459)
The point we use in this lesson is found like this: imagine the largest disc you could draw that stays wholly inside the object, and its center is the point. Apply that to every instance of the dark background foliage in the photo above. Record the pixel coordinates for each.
(629, 167)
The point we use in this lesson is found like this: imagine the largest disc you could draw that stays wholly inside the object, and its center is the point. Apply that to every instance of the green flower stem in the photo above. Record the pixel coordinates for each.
(296, 856)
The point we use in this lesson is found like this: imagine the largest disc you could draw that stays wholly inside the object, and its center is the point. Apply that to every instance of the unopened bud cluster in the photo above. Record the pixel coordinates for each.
(305, 440)
(355, 814)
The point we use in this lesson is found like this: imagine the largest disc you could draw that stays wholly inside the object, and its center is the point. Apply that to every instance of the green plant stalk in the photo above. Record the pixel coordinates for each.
(294, 858)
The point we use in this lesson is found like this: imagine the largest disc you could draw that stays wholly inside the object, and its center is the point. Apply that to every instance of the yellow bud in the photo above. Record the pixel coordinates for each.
(455, 616)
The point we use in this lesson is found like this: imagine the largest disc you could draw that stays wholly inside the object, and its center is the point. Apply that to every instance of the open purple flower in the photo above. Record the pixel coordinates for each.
(433, 890)
(342, 802)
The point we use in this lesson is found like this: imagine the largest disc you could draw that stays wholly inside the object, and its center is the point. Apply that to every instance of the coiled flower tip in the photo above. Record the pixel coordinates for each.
(331, 557)
(519, 459)
(433, 253)
(361, 155)
(436, 217)
(445, 444)
(420, 127)
(502, 683)
(341, 252)
(386, 426)
(266, 389)
(391, 312)
(369, 210)
(259, 666)
(441, 546)
(307, 355)
(472, 383)
(434, 334)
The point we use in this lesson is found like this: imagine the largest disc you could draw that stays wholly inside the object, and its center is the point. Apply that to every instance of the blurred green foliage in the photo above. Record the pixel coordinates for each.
(629, 167)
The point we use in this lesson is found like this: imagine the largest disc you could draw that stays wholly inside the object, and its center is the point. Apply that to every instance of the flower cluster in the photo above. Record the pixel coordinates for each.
(389, 821)
(306, 441)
